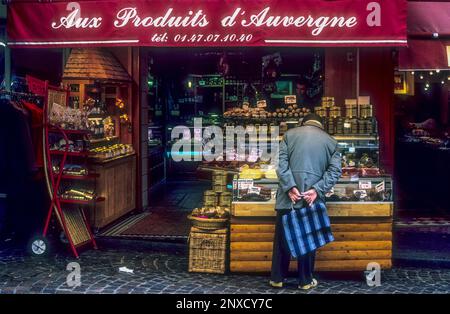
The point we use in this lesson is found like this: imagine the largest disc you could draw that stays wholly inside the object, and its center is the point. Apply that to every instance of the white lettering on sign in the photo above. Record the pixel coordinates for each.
(130, 15)
(197, 18)
(74, 19)
(317, 24)
(230, 20)
(374, 17)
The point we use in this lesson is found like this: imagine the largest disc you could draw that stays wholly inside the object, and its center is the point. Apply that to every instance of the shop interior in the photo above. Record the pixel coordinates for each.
(211, 84)
(423, 141)
(260, 87)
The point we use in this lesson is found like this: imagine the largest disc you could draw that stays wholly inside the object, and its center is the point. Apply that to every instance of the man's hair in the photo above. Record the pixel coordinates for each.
(312, 117)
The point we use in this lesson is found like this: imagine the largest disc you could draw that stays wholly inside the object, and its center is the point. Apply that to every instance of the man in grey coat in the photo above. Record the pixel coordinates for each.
(309, 166)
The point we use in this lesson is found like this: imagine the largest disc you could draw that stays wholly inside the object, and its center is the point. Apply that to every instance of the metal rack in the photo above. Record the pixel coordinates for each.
(69, 212)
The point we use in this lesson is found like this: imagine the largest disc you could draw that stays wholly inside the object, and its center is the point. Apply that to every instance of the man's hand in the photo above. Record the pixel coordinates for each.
(310, 196)
(294, 195)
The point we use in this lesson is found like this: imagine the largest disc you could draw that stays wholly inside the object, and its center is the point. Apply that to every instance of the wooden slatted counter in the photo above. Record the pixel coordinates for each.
(117, 184)
(362, 231)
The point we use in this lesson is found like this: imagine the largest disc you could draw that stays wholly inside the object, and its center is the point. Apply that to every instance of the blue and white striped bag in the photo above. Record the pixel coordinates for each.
(307, 229)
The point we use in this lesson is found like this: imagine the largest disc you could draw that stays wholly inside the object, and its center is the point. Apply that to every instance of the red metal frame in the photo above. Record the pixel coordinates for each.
(55, 178)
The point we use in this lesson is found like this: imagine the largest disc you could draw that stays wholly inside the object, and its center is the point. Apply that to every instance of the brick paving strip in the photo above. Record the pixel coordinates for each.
(164, 270)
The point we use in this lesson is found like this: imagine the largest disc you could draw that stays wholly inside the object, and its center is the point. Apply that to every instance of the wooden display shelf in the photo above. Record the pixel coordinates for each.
(81, 202)
(69, 131)
(80, 177)
(63, 152)
(108, 160)
(335, 209)
(356, 137)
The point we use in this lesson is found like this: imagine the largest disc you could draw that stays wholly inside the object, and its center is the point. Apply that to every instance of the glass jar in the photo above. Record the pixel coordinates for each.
(339, 122)
(351, 110)
(335, 112)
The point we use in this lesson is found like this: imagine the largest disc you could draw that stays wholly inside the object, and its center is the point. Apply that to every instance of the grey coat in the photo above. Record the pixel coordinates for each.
(307, 159)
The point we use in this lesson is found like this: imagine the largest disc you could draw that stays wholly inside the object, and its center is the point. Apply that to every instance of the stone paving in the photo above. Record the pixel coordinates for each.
(162, 268)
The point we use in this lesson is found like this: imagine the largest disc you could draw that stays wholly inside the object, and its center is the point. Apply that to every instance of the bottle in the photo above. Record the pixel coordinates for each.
(102, 129)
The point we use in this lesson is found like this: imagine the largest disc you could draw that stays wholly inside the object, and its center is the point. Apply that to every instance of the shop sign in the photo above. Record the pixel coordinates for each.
(197, 23)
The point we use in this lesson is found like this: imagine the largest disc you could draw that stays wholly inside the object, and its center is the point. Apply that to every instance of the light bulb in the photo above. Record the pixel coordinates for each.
(412, 72)
(427, 85)
(421, 77)
(442, 82)
(437, 71)
(431, 72)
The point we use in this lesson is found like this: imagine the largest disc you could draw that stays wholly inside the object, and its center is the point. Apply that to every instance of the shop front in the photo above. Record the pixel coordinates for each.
(183, 74)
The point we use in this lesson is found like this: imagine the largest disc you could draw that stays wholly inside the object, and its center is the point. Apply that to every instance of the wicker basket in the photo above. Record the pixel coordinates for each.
(208, 223)
(207, 251)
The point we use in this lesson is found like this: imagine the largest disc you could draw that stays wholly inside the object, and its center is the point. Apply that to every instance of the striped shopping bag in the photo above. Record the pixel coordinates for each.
(307, 229)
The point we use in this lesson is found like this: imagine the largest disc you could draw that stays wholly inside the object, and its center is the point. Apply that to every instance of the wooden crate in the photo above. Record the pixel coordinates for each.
(208, 250)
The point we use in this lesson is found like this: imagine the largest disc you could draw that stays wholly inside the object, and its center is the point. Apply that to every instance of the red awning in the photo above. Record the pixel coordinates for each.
(424, 52)
(426, 18)
(212, 23)
(427, 54)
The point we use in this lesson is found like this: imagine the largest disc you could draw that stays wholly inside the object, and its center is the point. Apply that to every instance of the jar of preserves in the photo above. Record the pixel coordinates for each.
(347, 126)
(339, 122)
(354, 126)
(330, 126)
(351, 110)
(335, 112)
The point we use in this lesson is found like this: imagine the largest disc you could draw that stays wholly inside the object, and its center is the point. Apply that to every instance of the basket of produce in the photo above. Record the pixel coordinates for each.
(209, 218)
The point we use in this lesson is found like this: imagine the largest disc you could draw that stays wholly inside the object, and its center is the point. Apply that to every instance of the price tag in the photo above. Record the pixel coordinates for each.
(261, 104)
(245, 184)
(351, 149)
(380, 187)
(354, 178)
(347, 125)
(290, 99)
(254, 190)
(365, 184)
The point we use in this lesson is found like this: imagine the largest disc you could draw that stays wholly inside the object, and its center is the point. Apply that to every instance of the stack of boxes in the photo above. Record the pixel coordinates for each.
(208, 248)
(218, 196)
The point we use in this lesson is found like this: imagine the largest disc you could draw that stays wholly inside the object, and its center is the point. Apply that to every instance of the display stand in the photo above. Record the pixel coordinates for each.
(69, 212)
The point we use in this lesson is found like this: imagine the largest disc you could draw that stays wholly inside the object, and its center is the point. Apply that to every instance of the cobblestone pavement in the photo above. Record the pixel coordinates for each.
(162, 268)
